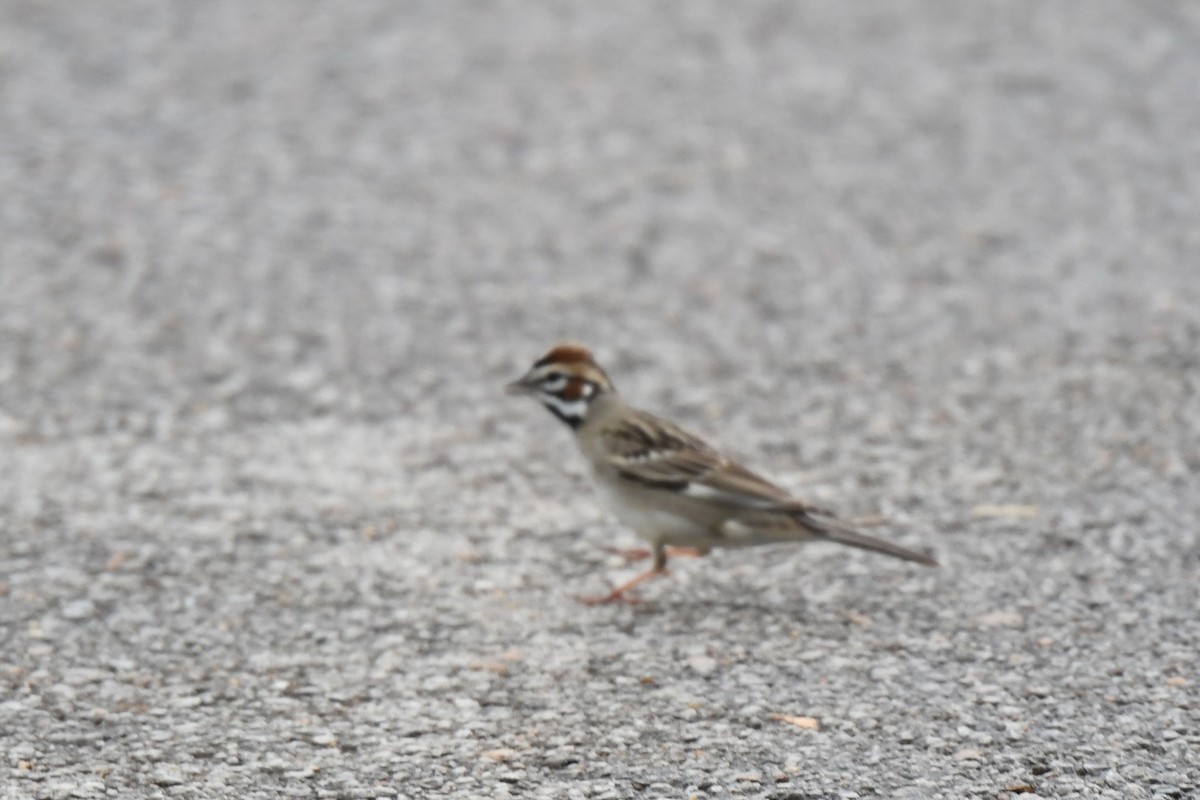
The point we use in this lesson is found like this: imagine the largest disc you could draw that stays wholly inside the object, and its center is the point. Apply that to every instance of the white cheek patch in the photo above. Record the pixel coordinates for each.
(567, 409)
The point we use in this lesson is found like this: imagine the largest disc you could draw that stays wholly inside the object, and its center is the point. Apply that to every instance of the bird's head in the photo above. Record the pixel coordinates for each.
(568, 382)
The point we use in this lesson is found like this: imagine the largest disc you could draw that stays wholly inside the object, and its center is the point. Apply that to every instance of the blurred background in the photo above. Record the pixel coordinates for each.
(302, 209)
(265, 267)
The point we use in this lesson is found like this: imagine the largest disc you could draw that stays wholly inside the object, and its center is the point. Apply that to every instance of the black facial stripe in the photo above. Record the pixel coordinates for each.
(569, 411)
(574, 422)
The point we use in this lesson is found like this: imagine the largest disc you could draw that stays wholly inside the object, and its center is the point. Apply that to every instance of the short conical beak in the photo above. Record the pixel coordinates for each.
(520, 386)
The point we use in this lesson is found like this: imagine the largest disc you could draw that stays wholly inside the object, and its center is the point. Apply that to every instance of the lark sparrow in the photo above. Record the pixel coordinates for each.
(668, 485)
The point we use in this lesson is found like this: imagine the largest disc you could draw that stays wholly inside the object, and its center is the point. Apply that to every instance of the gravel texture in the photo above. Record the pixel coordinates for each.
(268, 527)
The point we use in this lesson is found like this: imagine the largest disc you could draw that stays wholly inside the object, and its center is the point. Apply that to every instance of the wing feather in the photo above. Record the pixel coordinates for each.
(661, 455)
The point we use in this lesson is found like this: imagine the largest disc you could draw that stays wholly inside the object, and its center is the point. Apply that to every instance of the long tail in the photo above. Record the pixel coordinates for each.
(837, 531)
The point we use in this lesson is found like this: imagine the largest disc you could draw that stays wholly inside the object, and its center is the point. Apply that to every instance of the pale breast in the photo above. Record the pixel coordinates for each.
(650, 520)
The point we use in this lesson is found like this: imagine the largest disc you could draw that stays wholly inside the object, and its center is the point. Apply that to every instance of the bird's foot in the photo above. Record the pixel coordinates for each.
(607, 599)
(620, 594)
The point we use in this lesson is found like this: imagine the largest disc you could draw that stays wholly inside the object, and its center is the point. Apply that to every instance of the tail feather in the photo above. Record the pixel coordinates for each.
(837, 531)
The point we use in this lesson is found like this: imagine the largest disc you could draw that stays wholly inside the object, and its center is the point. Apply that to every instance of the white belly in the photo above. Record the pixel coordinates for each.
(654, 525)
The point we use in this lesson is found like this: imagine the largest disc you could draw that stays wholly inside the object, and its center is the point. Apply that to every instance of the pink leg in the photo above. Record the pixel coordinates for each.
(617, 595)
(642, 553)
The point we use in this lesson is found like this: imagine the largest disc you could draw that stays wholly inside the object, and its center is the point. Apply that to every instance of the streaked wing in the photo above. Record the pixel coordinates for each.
(661, 455)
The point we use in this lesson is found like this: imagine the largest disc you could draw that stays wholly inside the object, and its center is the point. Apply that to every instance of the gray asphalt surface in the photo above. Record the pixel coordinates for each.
(269, 528)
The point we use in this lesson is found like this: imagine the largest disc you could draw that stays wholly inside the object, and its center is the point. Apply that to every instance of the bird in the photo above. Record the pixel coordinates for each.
(676, 492)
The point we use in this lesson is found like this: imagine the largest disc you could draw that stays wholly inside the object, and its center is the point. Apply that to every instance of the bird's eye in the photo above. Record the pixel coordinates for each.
(554, 381)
